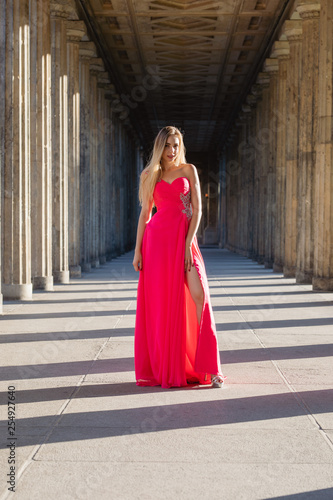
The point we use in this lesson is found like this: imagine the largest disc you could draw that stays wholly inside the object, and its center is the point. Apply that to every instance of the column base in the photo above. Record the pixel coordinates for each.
(268, 264)
(303, 278)
(261, 259)
(86, 267)
(102, 260)
(95, 263)
(277, 268)
(322, 284)
(43, 283)
(17, 292)
(289, 272)
(1, 310)
(61, 277)
(75, 271)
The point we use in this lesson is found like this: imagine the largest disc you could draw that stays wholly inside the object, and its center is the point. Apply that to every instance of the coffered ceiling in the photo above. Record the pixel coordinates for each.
(184, 62)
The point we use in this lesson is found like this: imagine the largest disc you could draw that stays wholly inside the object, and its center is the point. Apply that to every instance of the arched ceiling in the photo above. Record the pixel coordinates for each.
(184, 62)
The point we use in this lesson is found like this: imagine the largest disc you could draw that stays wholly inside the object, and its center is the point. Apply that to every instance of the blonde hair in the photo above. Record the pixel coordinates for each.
(153, 170)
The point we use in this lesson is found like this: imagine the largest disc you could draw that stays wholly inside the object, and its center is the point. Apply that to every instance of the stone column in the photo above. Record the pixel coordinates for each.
(2, 114)
(261, 89)
(59, 14)
(16, 205)
(249, 217)
(75, 31)
(87, 50)
(308, 124)
(323, 178)
(109, 212)
(233, 172)
(271, 67)
(222, 199)
(113, 189)
(96, 66)
(41, 145)
(293, 32)
(281, 51)
(103, 128)
(117, 192)
(121, 186)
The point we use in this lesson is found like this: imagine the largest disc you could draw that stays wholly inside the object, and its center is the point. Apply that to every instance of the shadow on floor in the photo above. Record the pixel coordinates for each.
(118, 422)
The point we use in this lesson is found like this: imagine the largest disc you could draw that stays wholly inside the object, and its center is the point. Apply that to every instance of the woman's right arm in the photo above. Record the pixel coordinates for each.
(143, 220)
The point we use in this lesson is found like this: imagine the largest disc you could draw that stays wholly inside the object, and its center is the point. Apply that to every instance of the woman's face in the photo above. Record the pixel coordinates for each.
(171, 149)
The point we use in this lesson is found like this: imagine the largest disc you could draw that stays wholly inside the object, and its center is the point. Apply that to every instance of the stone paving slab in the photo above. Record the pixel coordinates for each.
(166, 481)
(86, 431)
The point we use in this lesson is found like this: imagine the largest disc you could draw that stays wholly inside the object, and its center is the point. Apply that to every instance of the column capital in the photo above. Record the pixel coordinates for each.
(271, 66)
(87, 50)
(308, 9)
(111, 91)
(97, 65)
(242, 117)
(263, 79)
(60, 9)
(76, 30)
(251, 100)
(256, 90)
(103, 79)
(293, 30)
(281, 50)
(246, 108)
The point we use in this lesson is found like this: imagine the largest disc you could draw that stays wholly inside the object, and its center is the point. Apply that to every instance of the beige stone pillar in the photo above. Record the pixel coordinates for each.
(96, 66)
(222, 198)
(41, 145)
(16, 204)
(293, 32)
(248, 230)
(59, 14)
(242, 195)
(109, 210)
(234, 170)
(323, 178)
(308, 125)
(87, 50)
(122, 167)
(103, 129)
(93, 252)
(117, 188)
(75, 31)
(2, 115)
(112, 187)
(271, 67)
(262, 154)
(281, 51)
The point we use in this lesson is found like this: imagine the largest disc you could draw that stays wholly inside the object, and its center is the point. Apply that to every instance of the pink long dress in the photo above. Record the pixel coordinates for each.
(171, 349)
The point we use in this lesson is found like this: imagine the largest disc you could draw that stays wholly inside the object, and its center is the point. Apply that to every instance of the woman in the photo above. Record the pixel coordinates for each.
(175, 337)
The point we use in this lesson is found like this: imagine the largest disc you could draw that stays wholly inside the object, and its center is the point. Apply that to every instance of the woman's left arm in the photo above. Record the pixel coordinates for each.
(196, 214)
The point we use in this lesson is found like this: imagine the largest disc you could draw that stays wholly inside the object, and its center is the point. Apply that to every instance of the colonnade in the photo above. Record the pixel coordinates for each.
(277, 164)
(69, 163)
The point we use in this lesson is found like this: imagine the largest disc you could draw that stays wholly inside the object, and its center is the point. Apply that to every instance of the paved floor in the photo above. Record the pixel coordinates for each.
(86, 431)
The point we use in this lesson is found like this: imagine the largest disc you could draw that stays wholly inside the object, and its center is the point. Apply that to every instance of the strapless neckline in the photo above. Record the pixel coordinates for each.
(170, 183)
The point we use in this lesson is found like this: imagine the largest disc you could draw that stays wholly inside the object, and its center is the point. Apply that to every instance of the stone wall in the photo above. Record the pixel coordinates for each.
(277, 167)
(69, 163)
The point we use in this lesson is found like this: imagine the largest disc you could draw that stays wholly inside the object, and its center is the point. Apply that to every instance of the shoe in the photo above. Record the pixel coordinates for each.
(217, 381)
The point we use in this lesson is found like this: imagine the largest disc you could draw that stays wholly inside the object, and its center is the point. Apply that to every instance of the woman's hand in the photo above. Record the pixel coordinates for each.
(137, 261)
(188, 258)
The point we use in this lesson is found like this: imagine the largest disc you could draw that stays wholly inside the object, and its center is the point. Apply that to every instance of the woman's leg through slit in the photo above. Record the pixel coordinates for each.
(196, 290)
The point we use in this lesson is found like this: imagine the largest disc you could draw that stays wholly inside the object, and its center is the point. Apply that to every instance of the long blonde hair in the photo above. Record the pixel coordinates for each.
(153, 170)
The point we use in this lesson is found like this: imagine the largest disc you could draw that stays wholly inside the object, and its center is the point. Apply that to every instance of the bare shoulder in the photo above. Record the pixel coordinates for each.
(190, 170)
